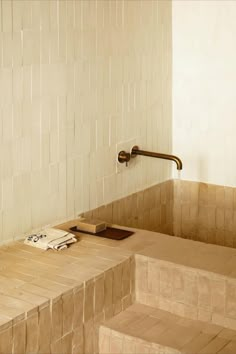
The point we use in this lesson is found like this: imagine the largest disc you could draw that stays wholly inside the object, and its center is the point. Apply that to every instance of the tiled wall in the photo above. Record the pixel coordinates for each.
(204, 83)
(205, 212)
(193, 210)
(150, 209)
(79, 80)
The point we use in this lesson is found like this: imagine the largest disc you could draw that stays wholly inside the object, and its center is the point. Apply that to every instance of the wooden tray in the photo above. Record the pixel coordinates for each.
(110, 232)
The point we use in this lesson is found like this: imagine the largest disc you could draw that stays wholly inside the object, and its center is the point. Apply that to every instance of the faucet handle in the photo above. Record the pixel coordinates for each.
(124, 156)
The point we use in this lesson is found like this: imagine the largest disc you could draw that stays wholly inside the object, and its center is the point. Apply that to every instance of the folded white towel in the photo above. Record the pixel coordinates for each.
(50, 238)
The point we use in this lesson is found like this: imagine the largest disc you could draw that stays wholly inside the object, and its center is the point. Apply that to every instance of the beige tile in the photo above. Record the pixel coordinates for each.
(36, 300)
(230, 299)
(104, 343)
(78, 308)
(204, 292)
(16, 303)
(177, 337)
(229, 348)
(155, 332)
(5, 322)
(127, 302)
(191, 312)
(116, 345)
(126, 278)
(89, 300)
(220, 218)
(98, 321)
(13, 314)
(204, 315)
(19, 337)
(44, 330)
(142, 347)
(57, 320)
(6, 337)
(78, 340)
(66, 343)
(122, 321)
(211, 329)
(218, 296)
(214, 346)
(178, 285)
(109, 312)
(117, 307)
(137, 328)
(68, 312)
(197, 343)
(88, 335)
(98, 294)
(117, 284)
(219, 320)
(230, 323)
(165, 282)
(227, 334)
(39, 291)
(129, 345)
(56, 347)
(153, 277)
(191, 288)
(32, 333)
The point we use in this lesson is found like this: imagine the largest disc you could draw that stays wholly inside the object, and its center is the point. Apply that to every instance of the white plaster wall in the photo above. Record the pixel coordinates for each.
(204, 89)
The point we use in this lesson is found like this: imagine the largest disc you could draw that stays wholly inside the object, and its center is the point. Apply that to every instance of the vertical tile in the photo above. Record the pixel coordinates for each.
(178, 285)
(44, 330)
(32, 333)
(104, 343)
(19, 337)
(66, 343)
(126, 278)
(165, 282)
(78, 308)
(191, 288)
(6, 16)
(153, 277)
(117, 284)
(89, 301)
(6, 337)
(88, 335)
(68, 312)
(204, 292)
(99, 295)
(78, 340)
(218, 296)
(230, 309)
(141, 274)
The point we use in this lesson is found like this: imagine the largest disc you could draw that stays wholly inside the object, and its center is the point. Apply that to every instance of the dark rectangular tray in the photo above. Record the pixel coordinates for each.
(110, 232)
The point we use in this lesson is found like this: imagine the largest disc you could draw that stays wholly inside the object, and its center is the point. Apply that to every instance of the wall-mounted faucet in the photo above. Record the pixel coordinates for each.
(124, 156)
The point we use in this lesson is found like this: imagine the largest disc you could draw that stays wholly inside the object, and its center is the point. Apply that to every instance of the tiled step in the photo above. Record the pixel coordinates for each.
(143, 329)
(190, 279)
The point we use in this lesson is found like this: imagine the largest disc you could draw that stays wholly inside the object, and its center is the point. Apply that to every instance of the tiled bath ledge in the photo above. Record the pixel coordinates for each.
(54, 302)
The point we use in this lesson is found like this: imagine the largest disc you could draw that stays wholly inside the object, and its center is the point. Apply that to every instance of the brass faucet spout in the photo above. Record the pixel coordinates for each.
(136, 151)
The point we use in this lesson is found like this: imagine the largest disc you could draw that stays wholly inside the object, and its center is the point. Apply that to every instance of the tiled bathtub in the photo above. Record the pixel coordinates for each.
(193, 210)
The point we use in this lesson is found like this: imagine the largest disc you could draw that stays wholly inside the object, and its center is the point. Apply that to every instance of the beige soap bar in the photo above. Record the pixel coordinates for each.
(89, 225)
